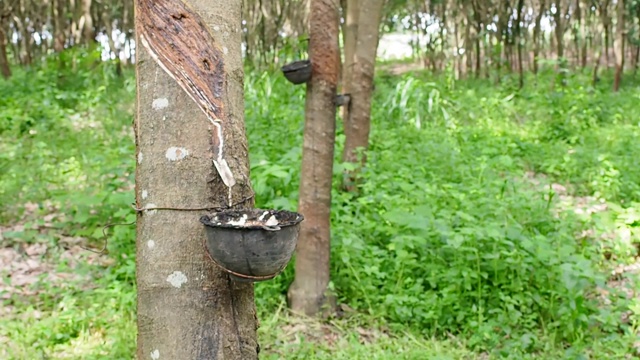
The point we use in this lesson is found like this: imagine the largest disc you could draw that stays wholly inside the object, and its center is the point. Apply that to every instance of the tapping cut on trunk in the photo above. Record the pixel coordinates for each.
(182, 45)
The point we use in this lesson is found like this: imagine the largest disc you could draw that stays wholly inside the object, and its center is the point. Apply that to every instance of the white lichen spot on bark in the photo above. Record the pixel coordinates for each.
(155, 354)
(151, 244)
(177, 278)
(140, 158)
(160, 103)
(145, 194)
(150, 206)
(176, 153)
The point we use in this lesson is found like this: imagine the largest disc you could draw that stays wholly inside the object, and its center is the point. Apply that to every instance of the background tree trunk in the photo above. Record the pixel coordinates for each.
(59, 25)
(4, 61)
(188, 308)
(559, 31)
(518, 40)
(308, 293)
(606, 21)
(358, 120)
(350, 36)
(619, 44)
(536, 37)
(87, 22)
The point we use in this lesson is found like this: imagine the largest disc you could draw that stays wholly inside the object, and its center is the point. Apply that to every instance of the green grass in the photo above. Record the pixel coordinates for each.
(456, 245)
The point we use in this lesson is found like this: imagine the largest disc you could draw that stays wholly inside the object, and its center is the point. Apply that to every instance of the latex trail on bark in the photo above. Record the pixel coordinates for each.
(178, 40)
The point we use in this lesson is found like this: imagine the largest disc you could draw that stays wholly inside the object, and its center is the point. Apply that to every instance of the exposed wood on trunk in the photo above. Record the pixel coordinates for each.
(188, 308)
(308, 293)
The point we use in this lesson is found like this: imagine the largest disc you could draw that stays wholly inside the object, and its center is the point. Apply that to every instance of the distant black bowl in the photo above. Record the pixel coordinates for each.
(298, 72)
(252, 245)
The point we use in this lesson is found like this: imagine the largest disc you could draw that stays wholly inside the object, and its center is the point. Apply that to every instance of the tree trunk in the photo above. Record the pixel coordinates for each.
(4, 60)
(518, 39)
(594, 77)
(606, 21)
(636, 59)
(22, 47)
(559, 32)
(559, 35)
(187, 307)
(58, 25)
(308, 293)
(477, 15)
(536, 37)
(619, 44)
(468, 48)
(350, 36)
(577, 34)
(358, 120)
(88, 32)
(113, 47)
(586, 37)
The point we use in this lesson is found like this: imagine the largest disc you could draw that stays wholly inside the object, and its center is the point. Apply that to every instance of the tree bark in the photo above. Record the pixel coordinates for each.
(559, 31)
(586, 36)
(187, 307)
(536, 37)
(58, 25)
(606, 21)
(518, 39)
(86, 22)
(350, 35)
(619, 44)
(560, 21)
(308, 293)
(358, 120)
(4, 60)
(468, 48)
(478, 16)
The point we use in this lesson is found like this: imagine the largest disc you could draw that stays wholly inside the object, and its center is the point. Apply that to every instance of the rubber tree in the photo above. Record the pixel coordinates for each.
(357, 118)
(5, 70)
(618, 48)
(308, 293)
(188, 308)
(349, 34)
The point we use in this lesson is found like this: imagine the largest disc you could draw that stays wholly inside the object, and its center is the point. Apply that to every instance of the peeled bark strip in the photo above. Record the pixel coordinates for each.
(308, 292)
(177, 38)
(188, 308)
(358, 120)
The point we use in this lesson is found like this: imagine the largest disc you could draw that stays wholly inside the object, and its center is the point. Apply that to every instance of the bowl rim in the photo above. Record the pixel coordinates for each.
(296, 66)
(206, 220)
